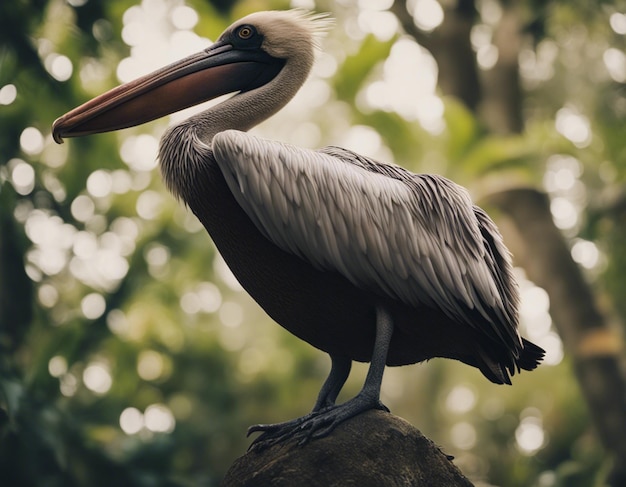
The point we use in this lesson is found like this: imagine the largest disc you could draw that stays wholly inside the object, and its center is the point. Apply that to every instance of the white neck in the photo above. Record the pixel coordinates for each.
(185, 145)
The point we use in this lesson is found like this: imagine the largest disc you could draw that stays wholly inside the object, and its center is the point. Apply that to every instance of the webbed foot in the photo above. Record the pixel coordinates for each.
(325, 422)
(276, 432)
(317, 424)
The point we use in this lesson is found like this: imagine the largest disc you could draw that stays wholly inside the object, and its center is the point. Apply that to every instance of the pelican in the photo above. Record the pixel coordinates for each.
(363, 260)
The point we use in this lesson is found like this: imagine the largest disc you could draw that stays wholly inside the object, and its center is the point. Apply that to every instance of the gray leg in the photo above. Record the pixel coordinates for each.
(273, 433)
(384, 331)
(339, 371)
(326, 415)
(369, 397)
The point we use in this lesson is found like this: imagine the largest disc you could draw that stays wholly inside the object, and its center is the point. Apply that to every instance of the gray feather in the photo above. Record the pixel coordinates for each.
(416, 238)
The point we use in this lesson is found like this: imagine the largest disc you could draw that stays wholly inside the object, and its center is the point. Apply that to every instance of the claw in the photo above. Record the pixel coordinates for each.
(314, 425)
(266, 428)
(276, 432)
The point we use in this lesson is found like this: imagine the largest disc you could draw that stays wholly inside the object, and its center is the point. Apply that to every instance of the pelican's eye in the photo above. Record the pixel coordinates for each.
(245, 32)
(246, 37)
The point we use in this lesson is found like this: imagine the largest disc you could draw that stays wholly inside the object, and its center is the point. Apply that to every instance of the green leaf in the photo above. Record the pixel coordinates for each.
(11, 394)
(497, 152)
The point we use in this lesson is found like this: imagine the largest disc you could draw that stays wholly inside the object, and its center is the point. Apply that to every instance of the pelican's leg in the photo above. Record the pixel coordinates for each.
(321, 424)
(339, 371)
(273, 433)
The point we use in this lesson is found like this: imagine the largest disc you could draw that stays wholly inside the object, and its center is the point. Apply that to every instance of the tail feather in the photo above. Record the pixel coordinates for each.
(496, 373)
(531, 355)
(500, 371)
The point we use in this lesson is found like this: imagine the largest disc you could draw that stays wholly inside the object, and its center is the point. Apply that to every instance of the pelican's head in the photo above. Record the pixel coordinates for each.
(288, 34)
(249, 54)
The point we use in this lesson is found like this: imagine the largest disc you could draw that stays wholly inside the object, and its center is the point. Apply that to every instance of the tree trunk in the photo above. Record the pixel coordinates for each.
(595, 347)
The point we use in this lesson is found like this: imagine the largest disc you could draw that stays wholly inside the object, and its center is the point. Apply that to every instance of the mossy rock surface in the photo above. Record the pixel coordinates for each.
(371, 449)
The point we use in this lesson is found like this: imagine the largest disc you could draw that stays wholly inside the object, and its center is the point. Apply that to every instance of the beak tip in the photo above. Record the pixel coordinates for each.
(56, 131)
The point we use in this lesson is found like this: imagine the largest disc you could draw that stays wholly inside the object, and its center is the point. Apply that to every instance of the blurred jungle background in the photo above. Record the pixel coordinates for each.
(129, 355)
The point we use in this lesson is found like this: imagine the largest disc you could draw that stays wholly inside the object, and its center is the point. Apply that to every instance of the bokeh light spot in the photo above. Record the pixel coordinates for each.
(427, 14)
(82, 208)
(59, 66)
(535, 301)
(184, 17)
(157, 255)
(383, 25)
(85, 245)
(31, 141)
(159, 419)
(573, 126)
(97, 378)
(564, 213)
(529, 435)
(57, 366)
(149, 205)
(487, 56)
(121, 181)
(615, 62)
(93, 306)
(99, 183)
(150, 365)
(210, 297)
(461, 399)
(362, 139)
(48, 295)
(617, 21)
(190, 303)
(586, 253)
(140, 152)
(8, 94)
(23, 177)
(68, 385)
(117, 322)
(131, 421)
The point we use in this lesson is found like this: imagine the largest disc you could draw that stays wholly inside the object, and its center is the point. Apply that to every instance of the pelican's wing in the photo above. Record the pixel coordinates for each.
(415, 238)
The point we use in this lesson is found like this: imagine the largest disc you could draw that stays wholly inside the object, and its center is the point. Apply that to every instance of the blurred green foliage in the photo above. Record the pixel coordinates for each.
(117, 302)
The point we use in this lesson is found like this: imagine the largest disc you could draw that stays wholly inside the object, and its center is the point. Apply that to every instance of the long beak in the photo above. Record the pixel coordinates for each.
(216, 71)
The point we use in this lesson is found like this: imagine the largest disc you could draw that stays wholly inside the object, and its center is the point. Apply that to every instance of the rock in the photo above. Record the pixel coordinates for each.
(371, 449)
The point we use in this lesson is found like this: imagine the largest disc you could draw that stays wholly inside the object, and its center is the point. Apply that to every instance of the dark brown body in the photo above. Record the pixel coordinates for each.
(322, 308)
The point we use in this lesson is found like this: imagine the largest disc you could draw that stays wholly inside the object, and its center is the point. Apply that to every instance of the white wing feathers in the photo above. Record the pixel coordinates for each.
(418, 242)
